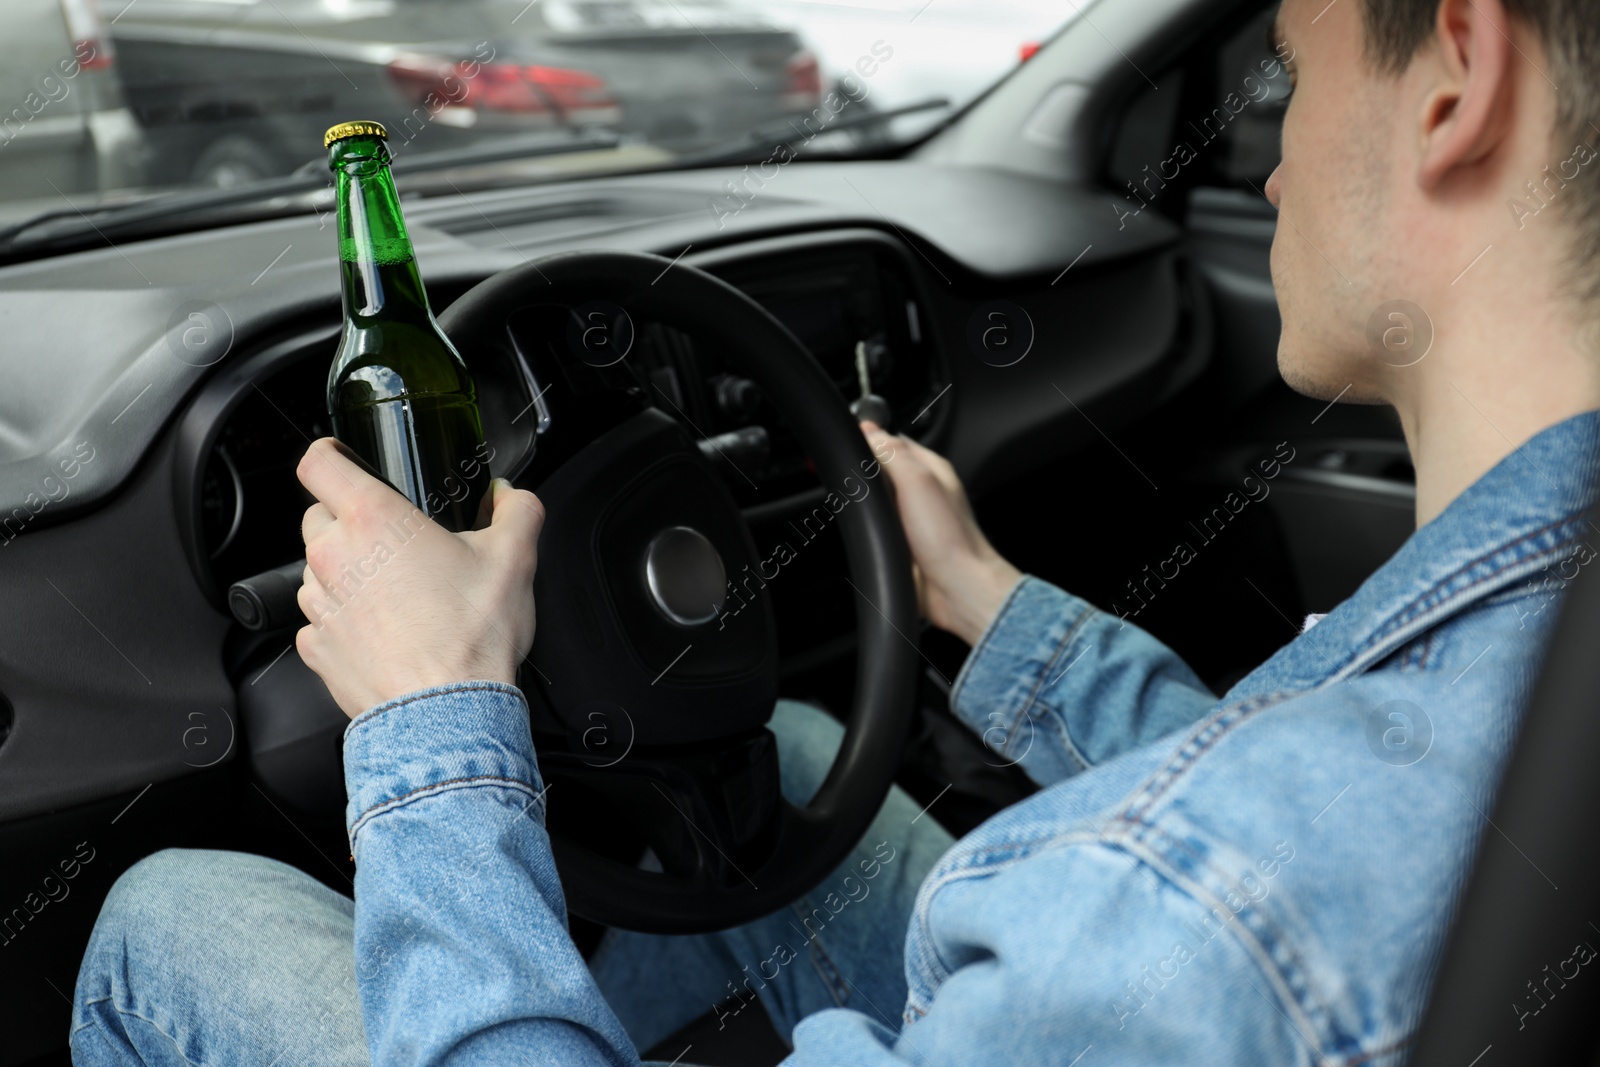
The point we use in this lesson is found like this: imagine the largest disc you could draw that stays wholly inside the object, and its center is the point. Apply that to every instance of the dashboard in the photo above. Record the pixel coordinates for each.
(841, 294)
(180, 378)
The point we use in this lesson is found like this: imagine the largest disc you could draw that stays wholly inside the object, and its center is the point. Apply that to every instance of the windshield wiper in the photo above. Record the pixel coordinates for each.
(766, 139)
(64, 227)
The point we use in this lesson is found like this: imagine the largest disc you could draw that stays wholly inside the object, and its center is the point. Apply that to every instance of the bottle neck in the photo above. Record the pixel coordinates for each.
(377, 268)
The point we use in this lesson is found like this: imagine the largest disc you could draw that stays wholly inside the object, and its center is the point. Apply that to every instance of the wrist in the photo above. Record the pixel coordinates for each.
(981, 592)
(411, 692)
(426, 677)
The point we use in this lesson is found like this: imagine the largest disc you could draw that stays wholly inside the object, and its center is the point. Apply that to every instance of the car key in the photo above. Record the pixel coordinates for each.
(870, 407)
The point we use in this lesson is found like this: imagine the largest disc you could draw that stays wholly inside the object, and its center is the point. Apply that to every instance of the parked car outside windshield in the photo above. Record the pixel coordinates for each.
(176, 94)
(63, 126)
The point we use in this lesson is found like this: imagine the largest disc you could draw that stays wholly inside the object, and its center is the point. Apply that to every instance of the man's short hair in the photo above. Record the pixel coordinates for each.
(1396, 30)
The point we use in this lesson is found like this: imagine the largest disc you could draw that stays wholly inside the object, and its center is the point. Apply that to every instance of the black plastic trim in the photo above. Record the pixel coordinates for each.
(201, 424)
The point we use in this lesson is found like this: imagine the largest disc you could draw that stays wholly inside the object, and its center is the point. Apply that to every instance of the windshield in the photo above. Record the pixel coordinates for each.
(103, 101)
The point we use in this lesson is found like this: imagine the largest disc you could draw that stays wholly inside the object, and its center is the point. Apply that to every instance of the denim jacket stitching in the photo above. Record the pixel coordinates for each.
(985, 863)
(983, 641)
(1438, 605)
(1509, 595)
(1202, 738)
(132, 1013)
(1395, 660)
(1409, 656)
(1386, 1050)
(981, 863)
(1134, 820)
(1050, 711)
(447, 785)
(1057, 723)
(400, 702)
(997, 854)
(1272, 950)
(1446, 591)
(989, 859)
(1033, 694)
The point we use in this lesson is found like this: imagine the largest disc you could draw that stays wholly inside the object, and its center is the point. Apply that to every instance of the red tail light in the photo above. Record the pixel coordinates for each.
(570, 89)
(1029, 50)
(802, 87)
(501, 87)
(90, 42)
(505, 87)
(429, 81)
(804, 76)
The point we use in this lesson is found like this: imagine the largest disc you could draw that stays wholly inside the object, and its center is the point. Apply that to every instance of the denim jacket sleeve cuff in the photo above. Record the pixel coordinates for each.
(454, 736)
(1020, 651)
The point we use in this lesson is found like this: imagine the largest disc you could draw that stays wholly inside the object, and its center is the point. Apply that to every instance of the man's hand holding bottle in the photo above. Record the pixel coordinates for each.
(397, 602)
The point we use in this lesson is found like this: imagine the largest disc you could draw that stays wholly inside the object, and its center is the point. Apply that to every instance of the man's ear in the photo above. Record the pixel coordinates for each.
(1464, 112)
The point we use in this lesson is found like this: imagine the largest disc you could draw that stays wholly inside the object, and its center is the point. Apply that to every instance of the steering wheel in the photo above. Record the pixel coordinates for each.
(655, 627)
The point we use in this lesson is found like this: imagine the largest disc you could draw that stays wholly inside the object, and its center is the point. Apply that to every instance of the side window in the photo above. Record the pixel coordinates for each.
(1214, 120)
(1257, 93)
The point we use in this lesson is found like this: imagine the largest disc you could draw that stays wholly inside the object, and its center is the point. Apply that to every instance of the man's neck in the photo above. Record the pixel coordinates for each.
(1484, 396)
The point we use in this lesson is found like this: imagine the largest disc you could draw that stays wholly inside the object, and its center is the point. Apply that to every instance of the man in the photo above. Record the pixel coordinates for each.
(1260, 879)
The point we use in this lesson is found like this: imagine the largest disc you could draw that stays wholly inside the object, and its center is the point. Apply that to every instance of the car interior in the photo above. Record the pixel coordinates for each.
(1062, 285)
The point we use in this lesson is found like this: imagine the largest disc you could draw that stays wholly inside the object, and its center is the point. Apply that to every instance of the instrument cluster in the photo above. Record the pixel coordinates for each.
(854, 303)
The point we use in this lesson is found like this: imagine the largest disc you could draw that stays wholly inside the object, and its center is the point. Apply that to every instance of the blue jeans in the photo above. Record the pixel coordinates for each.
(226, 958)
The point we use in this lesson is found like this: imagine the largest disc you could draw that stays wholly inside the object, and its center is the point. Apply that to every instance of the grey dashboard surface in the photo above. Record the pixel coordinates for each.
(100, 347)
(111, 657)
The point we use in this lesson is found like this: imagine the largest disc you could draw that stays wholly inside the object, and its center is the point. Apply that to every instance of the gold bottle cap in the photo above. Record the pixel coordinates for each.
(354, 129)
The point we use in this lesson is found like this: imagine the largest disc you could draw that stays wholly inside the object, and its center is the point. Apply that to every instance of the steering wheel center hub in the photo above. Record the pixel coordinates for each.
(685, 575)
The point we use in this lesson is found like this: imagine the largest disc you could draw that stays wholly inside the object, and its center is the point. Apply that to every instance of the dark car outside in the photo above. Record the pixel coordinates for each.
(228, 92)
(63, 126)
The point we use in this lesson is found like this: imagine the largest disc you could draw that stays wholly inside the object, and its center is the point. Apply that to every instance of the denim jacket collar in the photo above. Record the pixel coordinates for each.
(1526, 513)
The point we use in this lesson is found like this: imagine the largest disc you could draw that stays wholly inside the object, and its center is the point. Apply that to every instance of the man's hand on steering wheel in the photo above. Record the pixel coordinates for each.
(961, 580)
(397, 603)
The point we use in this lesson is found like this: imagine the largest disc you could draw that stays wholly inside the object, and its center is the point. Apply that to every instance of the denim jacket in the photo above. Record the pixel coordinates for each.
(1265, 878)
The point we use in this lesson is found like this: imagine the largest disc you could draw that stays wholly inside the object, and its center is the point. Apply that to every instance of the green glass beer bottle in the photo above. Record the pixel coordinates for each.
(399, 393)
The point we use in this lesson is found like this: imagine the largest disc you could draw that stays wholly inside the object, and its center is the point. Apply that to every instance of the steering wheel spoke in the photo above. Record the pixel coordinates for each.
(708, 816)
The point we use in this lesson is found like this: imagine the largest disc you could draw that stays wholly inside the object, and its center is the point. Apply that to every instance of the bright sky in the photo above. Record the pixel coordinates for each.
(951, 48)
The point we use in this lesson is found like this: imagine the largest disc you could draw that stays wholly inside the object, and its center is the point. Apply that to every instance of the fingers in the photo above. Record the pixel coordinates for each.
(914, 461)
(515, 510)
(331, 473)
(920, 455)
(515, 521)
(317, 519)
(903, 468)
(314, 603)
(881, 441)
